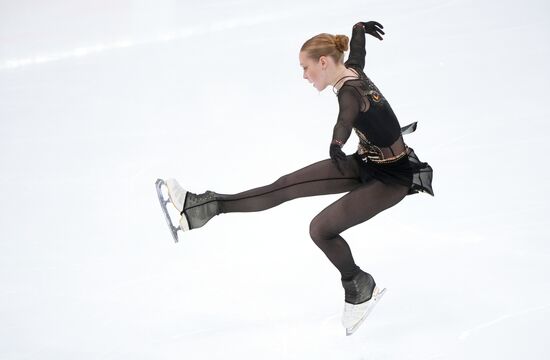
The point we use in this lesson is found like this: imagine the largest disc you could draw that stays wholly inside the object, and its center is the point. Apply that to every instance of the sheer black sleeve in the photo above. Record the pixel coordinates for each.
(357, 50)
(349, 109)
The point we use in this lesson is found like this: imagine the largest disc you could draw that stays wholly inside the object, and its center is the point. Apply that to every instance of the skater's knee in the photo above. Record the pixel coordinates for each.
(283, 181)
(319, 232)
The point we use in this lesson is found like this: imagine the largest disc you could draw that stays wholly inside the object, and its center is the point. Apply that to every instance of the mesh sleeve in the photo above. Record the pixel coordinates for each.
(357, 50)
(349, 109)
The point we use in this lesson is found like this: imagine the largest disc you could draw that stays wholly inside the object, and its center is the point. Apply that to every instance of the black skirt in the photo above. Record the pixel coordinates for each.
(408, 171)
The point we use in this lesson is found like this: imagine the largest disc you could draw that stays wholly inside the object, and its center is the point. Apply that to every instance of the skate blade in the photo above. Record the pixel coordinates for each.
(374, 301)
(174, 230)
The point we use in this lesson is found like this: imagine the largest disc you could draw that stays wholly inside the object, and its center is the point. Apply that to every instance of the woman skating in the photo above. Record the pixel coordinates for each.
(377, 176)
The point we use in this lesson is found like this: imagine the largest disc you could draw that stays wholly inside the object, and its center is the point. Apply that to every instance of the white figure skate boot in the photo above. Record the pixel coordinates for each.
(196, 210)
(361, 295)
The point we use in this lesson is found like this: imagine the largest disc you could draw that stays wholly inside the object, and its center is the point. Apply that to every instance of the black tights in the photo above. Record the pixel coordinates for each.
(362, 202)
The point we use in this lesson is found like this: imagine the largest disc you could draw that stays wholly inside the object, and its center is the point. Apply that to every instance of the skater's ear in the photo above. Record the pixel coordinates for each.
(323, 62)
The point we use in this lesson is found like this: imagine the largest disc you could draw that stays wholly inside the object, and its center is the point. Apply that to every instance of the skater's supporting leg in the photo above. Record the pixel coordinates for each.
(320, 178)
(357, 206)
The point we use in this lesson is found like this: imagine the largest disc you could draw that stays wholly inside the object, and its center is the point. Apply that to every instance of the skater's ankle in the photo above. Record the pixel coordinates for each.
(360, 288)
(349, 275)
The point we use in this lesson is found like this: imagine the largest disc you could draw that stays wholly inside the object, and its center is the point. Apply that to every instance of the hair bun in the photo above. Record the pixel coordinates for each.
(341, 42)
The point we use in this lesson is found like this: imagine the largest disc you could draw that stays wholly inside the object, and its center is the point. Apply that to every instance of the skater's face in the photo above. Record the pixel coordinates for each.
(315, 71)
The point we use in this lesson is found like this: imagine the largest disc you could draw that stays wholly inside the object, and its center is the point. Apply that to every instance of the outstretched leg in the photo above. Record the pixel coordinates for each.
(357, 206)
(320, 178)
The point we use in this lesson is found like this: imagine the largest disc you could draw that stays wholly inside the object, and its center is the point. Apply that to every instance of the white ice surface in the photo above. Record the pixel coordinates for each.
(98, 99)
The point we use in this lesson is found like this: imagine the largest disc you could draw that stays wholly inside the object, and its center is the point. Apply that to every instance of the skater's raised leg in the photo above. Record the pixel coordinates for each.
(320, 178)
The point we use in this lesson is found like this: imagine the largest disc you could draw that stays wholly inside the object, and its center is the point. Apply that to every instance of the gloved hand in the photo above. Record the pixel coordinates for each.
(373, 28)
(337, 155)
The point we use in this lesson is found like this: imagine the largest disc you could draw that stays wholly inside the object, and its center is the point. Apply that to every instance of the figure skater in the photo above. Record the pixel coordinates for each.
(377, 176)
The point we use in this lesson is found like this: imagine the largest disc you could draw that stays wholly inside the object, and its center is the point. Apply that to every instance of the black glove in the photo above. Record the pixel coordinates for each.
(337, 155)
(373, 28)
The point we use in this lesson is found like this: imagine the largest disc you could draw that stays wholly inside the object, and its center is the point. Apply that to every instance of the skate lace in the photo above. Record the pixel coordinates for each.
(201, 199)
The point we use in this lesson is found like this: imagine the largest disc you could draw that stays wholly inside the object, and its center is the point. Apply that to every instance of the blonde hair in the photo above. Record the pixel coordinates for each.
(326, 45)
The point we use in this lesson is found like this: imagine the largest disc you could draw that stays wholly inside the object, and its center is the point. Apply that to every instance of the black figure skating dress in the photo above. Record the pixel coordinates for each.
(382, 153)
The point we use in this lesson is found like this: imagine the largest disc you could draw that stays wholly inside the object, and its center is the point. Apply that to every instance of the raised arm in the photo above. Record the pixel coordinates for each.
(357, 50)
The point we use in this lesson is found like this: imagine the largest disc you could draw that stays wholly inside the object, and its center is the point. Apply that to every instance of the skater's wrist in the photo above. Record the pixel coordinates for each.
(337, 142)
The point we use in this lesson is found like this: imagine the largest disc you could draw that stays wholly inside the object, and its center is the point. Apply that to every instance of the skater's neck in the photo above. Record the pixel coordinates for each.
(341, 75)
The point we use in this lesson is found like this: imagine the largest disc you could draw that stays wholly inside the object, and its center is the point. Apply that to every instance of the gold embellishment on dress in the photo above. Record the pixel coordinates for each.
(370, 152)
(390, 159)
(365, 147)
(374, 154)
(375, 96)
(361, 136)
